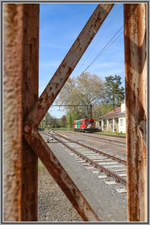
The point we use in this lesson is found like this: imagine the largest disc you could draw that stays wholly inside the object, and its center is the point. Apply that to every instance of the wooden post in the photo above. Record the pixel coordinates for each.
(30, 96)
(136, 109)
(21, 36)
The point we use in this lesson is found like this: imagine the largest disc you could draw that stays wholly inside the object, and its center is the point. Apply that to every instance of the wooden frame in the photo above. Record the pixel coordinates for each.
(30, 115)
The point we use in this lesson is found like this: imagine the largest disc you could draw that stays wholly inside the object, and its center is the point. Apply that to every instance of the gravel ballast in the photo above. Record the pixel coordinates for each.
(53, 205)
(106, 202)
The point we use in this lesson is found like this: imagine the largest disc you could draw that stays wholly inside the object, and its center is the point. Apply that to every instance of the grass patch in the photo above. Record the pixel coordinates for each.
(112, 133)
(57, 128)
(64, 128)
(40, 165)
(60, 128)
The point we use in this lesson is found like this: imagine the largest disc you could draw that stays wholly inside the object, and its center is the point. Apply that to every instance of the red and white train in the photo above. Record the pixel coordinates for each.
(85, 125)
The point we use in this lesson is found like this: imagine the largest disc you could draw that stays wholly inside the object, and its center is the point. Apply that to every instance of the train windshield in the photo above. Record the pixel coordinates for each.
(91, 121)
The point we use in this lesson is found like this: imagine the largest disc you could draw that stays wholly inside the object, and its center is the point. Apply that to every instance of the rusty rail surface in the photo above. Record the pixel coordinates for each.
(108, 135)
(102, 168)
(94, 150)
(110, 140)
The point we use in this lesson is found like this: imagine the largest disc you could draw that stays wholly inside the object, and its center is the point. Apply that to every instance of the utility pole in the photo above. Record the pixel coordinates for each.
(91, 111)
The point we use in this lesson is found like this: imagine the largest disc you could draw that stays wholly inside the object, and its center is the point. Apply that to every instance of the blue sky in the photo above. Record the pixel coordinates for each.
(60, 24)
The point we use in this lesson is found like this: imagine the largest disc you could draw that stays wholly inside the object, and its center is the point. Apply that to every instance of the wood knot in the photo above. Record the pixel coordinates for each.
(27, 129)
(142, 130)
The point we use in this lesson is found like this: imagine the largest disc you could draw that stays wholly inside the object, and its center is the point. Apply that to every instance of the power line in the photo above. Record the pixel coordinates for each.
(108, 44)
(93, 50)
(98, 40)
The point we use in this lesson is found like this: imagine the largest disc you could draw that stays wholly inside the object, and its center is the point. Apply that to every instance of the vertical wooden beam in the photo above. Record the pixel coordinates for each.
(12, 111)
(136, 108)
(30, 96)
(21, 25)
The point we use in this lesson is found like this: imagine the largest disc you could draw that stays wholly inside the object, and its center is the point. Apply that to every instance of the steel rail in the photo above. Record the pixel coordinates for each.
(103, 169)
(94, 150)
(60, 175)
(111, 135)
(120, 142)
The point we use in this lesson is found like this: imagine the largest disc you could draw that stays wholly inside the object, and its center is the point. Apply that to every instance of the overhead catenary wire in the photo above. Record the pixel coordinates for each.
(108, 45)
(98, 40)
(93, 50)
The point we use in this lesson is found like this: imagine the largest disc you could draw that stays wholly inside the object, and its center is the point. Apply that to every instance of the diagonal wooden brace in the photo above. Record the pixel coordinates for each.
(45, 101)
(68, 64)
(52, 164)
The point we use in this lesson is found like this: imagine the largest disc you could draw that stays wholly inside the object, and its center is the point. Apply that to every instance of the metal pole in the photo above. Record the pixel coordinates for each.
(136, 113)
(21, 25)
(91, 111)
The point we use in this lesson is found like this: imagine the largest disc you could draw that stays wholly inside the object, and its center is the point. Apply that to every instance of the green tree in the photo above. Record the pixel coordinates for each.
(113, 91)
(55, 123)
(70, 121)
(48, 119)
(86, 89)
(106, 108)
(71, 116)
(63, 121)
(42, 124)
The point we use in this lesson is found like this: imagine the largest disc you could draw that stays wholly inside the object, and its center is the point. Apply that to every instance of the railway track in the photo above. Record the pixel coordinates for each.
(113, 135)
(106, 138)
(106, 165)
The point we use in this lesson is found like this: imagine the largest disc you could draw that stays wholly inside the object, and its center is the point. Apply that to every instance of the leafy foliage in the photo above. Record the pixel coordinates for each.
(63, 121)
(71, 116)
(49, 121)
(85, 89)
(89, 89)
(113, 93)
